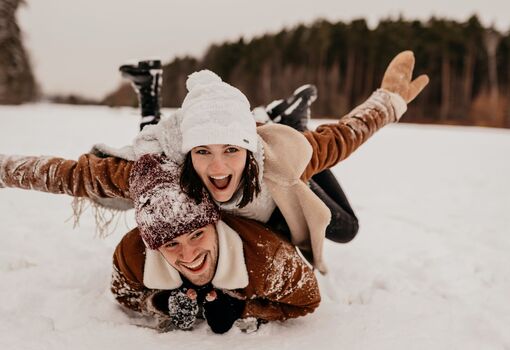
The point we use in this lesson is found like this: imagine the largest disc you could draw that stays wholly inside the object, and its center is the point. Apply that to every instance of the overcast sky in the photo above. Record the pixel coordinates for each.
(77, 45)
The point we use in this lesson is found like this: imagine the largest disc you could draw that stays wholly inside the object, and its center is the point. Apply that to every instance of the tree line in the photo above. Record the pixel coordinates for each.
(469, 67)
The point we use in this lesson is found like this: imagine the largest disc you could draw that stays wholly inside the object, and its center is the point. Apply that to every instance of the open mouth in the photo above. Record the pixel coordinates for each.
(220, 182)
(197, 265)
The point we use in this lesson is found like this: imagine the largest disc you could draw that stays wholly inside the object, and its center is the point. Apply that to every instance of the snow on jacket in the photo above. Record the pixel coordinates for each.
(254, 264)
(290, 159)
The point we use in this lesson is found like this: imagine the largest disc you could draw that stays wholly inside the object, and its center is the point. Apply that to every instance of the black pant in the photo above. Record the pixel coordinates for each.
(343, 226)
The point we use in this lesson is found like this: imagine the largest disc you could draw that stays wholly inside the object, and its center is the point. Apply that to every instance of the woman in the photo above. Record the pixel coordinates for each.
(146, 78)
(252, 171)
(249, 171)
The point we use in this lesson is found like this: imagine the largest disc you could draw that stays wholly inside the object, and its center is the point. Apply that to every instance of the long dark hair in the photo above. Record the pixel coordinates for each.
(192, 185)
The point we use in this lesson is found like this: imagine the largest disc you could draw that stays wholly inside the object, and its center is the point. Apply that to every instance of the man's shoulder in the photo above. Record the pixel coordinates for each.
(260, 244)
(129, 255)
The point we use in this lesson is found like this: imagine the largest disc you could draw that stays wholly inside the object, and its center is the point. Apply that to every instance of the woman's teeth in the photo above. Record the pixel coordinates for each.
(219, 177)
(220, 182)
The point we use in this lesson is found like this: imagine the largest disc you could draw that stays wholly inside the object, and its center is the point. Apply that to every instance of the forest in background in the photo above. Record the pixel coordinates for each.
(469, 67)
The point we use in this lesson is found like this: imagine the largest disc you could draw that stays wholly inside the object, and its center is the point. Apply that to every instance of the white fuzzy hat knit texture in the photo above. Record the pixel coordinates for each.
(214, 112)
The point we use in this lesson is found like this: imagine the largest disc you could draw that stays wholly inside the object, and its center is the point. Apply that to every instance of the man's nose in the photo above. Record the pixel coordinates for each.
(188, 253)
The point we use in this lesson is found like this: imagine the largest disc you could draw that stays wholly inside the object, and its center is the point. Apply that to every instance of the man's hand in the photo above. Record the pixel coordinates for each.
(222, 310)
(398, 75)
(182, 308)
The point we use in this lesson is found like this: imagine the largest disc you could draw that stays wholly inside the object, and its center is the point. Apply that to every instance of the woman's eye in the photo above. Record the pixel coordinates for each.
(171, 245)
(201, 151)
(232, 150)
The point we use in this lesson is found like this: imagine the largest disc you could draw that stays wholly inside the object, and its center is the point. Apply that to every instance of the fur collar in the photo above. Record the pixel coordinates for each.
(231, 271)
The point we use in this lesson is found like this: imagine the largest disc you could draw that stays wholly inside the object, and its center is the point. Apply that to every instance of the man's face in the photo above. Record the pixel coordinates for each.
(220, 167)
(194, 255)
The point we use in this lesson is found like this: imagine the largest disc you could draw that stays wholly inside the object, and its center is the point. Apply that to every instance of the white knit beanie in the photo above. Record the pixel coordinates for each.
(214, 112)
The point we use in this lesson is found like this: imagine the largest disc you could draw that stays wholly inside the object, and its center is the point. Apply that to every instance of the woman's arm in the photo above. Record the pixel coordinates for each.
(334, 142)
(89, 176)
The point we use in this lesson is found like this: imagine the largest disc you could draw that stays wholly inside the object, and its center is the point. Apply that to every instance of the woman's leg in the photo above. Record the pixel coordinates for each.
(343, 226)
(294, 111)
(146, 77)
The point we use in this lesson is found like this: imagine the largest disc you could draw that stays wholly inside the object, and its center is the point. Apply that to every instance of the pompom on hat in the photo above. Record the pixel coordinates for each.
(214, 112)
(162, 210)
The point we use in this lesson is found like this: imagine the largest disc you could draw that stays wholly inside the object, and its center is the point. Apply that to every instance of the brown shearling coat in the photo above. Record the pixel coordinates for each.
(281, 285)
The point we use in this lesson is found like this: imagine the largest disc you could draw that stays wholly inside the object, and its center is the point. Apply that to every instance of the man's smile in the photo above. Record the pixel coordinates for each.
(197, 265)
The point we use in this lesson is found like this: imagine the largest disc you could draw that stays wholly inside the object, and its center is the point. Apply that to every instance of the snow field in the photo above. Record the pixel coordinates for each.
(428, 270)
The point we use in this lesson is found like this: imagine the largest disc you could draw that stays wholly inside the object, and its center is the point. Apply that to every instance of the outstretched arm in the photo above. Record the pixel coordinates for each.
(90, 176)
(333, 143)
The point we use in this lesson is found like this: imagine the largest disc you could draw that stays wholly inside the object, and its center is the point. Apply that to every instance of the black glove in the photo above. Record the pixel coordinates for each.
(222, 312)
(176, 304)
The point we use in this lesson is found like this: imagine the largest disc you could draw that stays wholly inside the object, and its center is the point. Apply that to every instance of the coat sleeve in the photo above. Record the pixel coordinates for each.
(89, 176)
(127, 282)
(136, 297)
(332, 143)
(290, 289)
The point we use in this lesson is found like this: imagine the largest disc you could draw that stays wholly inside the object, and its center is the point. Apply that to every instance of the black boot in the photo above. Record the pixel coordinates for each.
(146, 78)
(294, 111)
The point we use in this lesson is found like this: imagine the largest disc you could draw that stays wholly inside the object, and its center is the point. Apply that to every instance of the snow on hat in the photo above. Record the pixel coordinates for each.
(214, 112)
(162, 210)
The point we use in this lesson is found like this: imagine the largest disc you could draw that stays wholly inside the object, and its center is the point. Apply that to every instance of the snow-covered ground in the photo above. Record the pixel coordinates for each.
(430, 268)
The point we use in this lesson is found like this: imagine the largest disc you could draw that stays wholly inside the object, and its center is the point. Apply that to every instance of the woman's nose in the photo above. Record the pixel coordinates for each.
(217, 165)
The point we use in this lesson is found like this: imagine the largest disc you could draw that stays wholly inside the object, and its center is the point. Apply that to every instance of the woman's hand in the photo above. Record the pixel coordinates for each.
(398, 75)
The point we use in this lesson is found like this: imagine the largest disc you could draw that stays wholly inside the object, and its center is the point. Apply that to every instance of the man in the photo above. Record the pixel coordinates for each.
(184, 263)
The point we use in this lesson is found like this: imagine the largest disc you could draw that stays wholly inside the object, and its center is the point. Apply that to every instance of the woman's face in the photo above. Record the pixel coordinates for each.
(220, 167)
